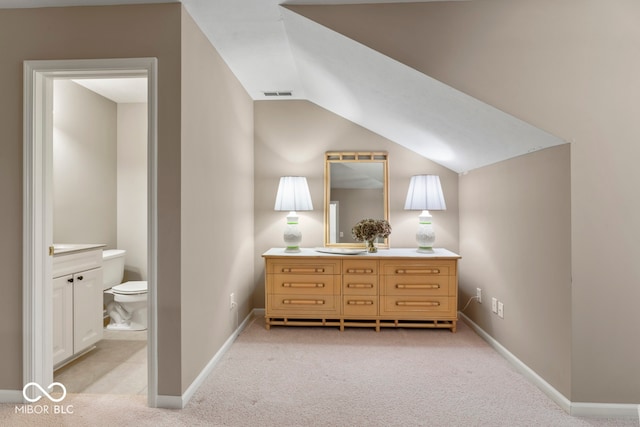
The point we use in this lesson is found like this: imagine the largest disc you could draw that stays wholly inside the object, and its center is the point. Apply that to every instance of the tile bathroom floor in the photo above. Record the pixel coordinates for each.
(118, 365)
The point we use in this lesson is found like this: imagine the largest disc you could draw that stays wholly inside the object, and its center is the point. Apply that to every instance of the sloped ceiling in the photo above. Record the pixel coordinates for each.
(402, 104)
(272, 49)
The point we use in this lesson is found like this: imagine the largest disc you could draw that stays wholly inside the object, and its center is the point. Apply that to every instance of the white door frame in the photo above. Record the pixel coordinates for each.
(37, 206)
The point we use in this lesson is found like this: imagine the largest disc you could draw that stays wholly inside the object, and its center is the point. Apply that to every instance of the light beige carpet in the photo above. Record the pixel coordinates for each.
(324, 377)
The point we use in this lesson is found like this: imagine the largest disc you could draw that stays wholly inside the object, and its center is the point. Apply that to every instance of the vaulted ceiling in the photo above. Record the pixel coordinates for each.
(278, 54)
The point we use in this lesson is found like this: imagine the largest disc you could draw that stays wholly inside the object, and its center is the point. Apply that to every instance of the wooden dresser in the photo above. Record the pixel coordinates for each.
(390, 288)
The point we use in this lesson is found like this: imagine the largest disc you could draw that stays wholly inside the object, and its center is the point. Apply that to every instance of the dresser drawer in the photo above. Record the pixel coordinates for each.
(393, 305)
(302, 266)
(303, 284)
(353, 305)
(357, 284)
(417, 285)
(360, 266)
(442, 268)
(300, 304)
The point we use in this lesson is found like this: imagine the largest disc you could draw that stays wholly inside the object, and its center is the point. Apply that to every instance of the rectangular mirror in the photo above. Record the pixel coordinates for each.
(355, 187)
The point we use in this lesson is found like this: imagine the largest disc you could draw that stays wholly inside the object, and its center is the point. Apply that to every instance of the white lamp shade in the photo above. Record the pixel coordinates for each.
(425, 193)
(293, 194)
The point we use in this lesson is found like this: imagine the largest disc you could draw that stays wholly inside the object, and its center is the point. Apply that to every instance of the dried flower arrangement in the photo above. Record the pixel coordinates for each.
(368, 230)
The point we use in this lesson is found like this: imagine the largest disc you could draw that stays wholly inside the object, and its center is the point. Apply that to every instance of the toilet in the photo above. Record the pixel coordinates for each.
(128, 310)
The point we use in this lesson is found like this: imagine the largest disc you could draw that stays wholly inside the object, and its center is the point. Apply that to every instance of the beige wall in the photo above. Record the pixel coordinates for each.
(515, 238)
(571, 68)
(84, 166)
(79, 33)
(132, 188)
(100, 173)
(205, 225)
(217, 201)
(291, 138)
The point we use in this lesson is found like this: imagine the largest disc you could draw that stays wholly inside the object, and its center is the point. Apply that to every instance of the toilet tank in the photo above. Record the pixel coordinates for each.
(112, 267)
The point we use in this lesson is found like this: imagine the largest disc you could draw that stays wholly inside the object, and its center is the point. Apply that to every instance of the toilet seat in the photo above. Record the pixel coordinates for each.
(135, 287)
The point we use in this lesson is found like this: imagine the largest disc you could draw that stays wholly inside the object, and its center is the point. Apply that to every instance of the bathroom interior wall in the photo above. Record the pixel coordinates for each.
(100, 173)
(132, 188)
(84, 166)
(291, 138)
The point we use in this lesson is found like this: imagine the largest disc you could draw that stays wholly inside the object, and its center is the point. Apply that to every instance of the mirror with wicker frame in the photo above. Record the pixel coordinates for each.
(355, 187)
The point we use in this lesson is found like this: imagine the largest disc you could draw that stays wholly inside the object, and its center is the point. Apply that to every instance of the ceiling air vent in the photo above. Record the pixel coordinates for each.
(278, 93)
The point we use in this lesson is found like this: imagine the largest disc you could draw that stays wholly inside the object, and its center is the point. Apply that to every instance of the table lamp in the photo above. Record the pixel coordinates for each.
(293, 195)
(425, 194)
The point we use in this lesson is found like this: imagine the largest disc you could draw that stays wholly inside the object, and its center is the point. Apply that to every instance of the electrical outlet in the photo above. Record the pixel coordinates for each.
(500, 310)
(479, 295)
(494, 305)
(232, 301)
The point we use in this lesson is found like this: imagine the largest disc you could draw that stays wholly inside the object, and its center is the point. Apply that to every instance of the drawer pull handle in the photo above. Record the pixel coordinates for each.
(303, 301)
(417, 286)
(418, 303)
(303, 270)
(356, 302)
(360, 285)
(359, 270)
(303, 285)
(418, 271)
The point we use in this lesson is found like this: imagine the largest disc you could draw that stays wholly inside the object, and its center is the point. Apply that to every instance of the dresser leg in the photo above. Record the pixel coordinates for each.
(453, 327)
(267, 323)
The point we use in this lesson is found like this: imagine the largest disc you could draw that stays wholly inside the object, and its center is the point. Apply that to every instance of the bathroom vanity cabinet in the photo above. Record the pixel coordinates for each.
(77, 302)
(390, 288)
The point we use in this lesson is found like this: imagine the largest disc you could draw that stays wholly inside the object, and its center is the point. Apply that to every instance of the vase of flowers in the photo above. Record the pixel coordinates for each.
(368, 230)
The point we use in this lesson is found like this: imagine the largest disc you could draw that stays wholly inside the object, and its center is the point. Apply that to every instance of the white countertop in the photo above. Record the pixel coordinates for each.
(382, 253)
(67, 248)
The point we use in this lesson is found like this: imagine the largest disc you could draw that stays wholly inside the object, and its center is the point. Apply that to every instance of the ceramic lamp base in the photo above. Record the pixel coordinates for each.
(426, 235)
(292, 234)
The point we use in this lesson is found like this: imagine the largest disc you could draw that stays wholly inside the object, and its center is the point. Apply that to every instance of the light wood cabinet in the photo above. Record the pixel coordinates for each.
(359, 289)
(391, 288)
(304, 287)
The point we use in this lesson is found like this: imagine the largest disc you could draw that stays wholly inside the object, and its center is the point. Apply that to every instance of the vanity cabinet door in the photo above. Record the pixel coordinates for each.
(62, 318)
(87, 309)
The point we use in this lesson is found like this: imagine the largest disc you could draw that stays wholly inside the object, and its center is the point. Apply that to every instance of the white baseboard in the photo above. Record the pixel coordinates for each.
(179, 402)
(605, 410)
(169, 402)
(577, 409)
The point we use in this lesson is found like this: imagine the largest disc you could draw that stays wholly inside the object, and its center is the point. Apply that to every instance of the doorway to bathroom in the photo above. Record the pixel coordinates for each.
(106, 212)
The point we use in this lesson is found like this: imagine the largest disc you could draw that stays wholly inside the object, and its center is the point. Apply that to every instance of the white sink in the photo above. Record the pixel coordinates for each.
(60, 248)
